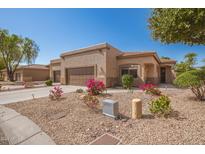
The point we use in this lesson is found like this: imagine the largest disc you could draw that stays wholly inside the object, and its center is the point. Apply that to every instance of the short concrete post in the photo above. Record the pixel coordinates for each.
(136, 109)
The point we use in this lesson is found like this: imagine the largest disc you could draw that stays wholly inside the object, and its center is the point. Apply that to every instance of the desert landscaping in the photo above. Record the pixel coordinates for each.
(132, 89)
(69, 121)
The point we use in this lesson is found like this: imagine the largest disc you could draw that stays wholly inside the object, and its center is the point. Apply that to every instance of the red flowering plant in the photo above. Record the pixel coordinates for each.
(150, 89)
(56, 93)
(95, 87)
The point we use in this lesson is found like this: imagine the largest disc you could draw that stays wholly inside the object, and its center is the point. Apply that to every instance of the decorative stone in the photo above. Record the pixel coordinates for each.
(57, 116)
(136, 109)
(110, 108)
(82, 97)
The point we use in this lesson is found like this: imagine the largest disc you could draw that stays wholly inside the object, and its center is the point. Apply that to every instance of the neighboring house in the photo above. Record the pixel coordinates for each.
(34, 72)
(106, 63)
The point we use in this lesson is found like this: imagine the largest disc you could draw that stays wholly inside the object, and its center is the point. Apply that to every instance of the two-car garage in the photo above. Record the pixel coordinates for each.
(79, 75)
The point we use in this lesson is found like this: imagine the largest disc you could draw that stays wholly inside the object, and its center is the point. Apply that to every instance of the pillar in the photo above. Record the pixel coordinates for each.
(136, 109)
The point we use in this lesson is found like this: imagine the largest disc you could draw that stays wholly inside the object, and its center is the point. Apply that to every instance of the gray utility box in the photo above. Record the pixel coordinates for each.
(110, 108)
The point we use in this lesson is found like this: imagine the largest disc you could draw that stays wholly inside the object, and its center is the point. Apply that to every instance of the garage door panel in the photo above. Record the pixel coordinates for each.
(79, 76)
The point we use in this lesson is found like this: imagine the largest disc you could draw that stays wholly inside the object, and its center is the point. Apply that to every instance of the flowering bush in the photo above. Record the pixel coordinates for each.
(150, 89)
(95, 87)
(56, 93)
(145, 87)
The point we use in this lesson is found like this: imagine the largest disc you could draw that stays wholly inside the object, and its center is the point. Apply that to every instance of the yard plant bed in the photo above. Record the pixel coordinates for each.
(69, 121)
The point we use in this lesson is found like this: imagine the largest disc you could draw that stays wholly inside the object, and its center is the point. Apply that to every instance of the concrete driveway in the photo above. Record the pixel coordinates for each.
(26, 94)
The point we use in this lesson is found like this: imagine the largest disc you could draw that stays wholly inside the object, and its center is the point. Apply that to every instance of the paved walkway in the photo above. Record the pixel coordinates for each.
(19, 129)
(26, 94)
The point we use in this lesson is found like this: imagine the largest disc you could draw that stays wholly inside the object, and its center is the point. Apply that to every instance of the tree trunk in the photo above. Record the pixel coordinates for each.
(199, 93)
(10, 75)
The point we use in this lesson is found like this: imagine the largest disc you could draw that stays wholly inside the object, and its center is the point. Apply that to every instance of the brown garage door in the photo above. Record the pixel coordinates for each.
(79, 76)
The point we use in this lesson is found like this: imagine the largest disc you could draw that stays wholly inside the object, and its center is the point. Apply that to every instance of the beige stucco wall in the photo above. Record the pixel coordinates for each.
(148, 68)
(18, 71)
(170, 75)
(96, 58)
(112, 68)
(54, 67)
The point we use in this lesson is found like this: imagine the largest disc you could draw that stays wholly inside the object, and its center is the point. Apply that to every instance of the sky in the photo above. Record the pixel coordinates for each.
(59, 30)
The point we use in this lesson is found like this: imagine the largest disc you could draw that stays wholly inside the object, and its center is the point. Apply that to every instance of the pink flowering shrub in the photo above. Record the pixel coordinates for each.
(146, 86)
(150, 89)
(95, 87)
(56, 93)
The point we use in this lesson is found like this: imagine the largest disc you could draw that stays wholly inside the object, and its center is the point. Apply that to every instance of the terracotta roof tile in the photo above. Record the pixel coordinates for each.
(172, 61)
(124, 54)
(35, 66)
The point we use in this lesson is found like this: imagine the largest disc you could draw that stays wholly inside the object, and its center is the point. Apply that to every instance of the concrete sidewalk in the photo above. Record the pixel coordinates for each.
(19, 129)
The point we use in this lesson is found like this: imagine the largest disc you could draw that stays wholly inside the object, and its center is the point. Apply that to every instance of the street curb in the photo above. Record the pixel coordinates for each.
(18, 129)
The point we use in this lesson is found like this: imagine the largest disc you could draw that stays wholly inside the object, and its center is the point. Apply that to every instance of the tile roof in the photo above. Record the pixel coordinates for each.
(172, 61)
(89, 48)
(55, 61)
(34, 66)
(125, 54)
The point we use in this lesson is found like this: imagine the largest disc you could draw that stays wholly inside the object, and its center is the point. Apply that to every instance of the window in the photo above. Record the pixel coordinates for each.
(133, 72)
(130, 71)
(124, 71)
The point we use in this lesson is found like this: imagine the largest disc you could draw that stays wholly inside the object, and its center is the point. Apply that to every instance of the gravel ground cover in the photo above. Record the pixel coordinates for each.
(69, 121)
(3, 140)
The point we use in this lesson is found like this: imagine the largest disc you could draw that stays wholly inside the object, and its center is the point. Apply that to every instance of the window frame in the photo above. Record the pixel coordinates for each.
(128, 70)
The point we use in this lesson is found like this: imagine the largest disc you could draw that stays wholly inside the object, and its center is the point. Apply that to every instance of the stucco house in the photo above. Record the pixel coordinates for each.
(107, 63)
(34, 72)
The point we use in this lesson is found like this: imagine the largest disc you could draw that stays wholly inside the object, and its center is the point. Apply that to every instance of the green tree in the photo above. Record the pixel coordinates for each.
(191, 59)
(203, 67)
(195, 80)
(15, 50)
(186, 65)
(2, 66)
(178, 25)
(164, 57)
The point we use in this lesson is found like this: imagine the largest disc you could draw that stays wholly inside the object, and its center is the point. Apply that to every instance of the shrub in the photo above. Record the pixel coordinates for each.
(194, 80)
(49, 82)
(91, 101)
(79, 90)
(160, 106)
(150, 89)
(127, 81)
(56, 93)
(95, 87)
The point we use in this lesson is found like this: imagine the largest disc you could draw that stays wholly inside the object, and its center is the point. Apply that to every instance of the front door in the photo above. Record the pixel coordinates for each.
(163, 75)
(57, 75)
